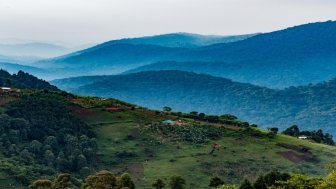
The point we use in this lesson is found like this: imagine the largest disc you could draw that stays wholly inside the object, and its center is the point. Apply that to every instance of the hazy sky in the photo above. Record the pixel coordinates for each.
(89, 21)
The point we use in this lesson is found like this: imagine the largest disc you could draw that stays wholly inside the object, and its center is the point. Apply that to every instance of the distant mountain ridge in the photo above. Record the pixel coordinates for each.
(36, 49)
(311, 106)
(117, 56)
(180, 40)
(291, 57)
(13, 68)
(295, 56)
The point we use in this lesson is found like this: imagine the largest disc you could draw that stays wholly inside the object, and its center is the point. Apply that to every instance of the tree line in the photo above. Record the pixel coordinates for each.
(271, 180)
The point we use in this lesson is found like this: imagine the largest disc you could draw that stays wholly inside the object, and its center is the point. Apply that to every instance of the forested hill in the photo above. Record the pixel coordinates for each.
(180, 40)
(23, 80)
(295, 56)
(311, 106)
(291, 57)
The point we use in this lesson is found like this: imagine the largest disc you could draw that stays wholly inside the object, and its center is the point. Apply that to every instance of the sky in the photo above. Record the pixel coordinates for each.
(93, 21)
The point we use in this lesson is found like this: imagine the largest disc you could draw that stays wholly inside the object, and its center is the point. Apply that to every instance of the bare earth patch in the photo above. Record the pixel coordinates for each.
(82, 112)
(297, 157)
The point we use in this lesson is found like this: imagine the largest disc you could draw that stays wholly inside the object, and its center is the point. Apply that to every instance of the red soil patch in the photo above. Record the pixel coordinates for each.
(231, 127)
(297, 153)
(82, 112)
(237, 142)
(115, 109)
(136, 170)
(296, 157)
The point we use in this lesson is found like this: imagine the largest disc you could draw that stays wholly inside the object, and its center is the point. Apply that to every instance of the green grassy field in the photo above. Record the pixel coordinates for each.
(124, 146)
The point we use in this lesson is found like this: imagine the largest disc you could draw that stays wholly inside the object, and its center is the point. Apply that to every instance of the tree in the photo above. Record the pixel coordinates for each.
(292, 131)
(49, 157)
(298, 181)
(215, 182)
(51, 141)
(246, 185)
(125, 181)
(329, 182)
(177, 182)
(274, 130)
(41, 184)
(158, 184)
(35, 147)
(228, 117)
(81, 161)
(101, 180)
(63, 181)
(194, 114)
(272, 177)
(201, 115)
(26, 156)
(260, 183)
(61, 162)
(167, 109)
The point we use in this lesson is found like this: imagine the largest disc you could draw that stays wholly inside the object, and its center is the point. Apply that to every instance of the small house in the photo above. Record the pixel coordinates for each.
(6, 89)
(303, 137)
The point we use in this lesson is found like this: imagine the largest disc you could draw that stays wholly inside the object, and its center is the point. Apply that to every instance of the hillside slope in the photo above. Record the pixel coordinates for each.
(132, 139)
(24, 80)
(311, 107)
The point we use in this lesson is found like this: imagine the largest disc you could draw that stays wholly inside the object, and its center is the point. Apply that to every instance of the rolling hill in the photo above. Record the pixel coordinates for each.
(19, 59)
(117, 56)
(60, 127)
(291, 57)
(187, 40)
(12, 68)
(310, 106)
(111, 59)
(33, 49)
(24, 80)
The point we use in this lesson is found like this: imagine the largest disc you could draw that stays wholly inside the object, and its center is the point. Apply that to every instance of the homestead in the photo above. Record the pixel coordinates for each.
(303, 137)
(6, 89)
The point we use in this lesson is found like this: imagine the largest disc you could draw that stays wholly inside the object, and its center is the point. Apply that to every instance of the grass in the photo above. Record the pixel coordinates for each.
(149, 157)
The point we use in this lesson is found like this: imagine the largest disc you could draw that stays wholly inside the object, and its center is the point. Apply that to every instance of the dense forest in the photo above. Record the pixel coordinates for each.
(23, 80)
(310, 107)
(41, 136)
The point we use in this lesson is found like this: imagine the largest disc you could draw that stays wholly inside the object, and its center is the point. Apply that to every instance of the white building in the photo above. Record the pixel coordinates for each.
(303, 137)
